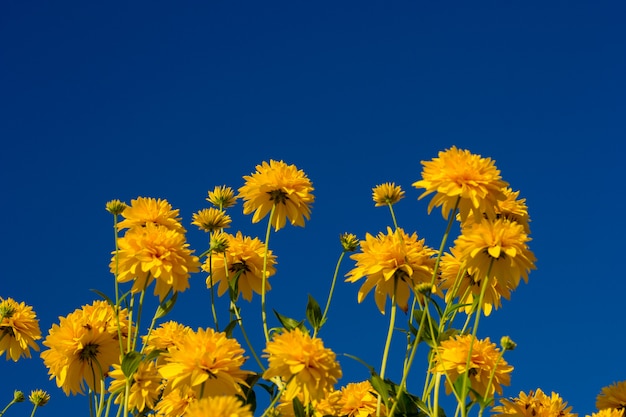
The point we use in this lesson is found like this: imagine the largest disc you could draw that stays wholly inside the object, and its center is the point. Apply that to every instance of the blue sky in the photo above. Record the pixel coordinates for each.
(168, 100)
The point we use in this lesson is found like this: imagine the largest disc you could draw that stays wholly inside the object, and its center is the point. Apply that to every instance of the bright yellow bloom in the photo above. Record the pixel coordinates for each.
(145, 386)
(219, 406)
(19, 329)
(451, 360)
(534, 404)
(145, 210)
(303, 362)
(222, 197)
(209, 359)
(359, 400)
(154, 252)
(327, 406)
(511, 208)
(460, 283)
(608, 412)
(175, 402)
(83, 346)
(392, 260)
(460, 175)
(496, 248)
(243, 257)
(167, 335)
(211, 219)
(39, 397)
(281, 185)
(612, 396)
(387, 193)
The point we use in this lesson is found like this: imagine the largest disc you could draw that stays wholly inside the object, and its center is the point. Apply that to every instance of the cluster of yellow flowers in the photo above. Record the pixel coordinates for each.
(173, 370)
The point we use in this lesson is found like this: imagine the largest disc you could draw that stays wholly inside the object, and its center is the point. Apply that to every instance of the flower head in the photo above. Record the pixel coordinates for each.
(18, 396)
(39, 397)
(349, 242)
(303, 363)
(166, 336)
(211, 219)
(387, 193)
(83, 346)
(145, 386)
(359, 400)
(243, 258)
(392, 261)
(208, 358)
(219, 406)
(497, 250)
(458, 175)
(222, 197)
(609, 412)
(115, 207)
(534, 404)
(149, 210)
(154, 252)
(175, 401)
(278, 185)
(19, 329)
(486, 359)
(612, 396)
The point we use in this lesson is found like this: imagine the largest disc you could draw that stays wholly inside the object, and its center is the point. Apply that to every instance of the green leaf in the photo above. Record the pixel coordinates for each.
(298, 408)
(381, 387)
(130, 363)
(104, 297)
(230, 327)
(233, 286)
(166, 306)
(362, 362)
(287, 322)
(314, 313)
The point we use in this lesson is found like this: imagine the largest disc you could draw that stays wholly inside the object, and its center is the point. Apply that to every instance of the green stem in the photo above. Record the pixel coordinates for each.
(117, 285)
(4, 410)
(245, 336)
(392, 322)
(34, 409)
(393, 215)
(330, 293)
(264, 277)
(213, 311)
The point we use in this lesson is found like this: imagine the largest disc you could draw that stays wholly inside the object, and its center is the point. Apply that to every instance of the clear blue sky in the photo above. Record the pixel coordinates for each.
(169, 99)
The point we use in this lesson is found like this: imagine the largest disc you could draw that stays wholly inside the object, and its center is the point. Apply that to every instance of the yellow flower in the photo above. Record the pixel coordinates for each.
(511, 208)
(207, 360)
(115, 207)
(387, 193)
(19, 329)
(83, 346)
(303, 363)
(39, 397)
(612, 396)
(327, 406)
(211, 219)
(166, 336)
(608, 412)
(460, 283)
(175, 402)
(243, 257)
(154, 252)
(460, 175)
(222, 197)
(486, 359)
(359, 400)
(145, 210)
(145, 386)
(349, 242)
(280, 185)
(534, 404)
(392, 260)
(219, 406)
(496, 248)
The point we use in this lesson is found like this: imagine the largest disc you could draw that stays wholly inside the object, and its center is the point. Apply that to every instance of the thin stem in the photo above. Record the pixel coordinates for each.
(217, 326)
(264, 278)
(392, 322)
(393, 215)
(330, 293)
(117, 285)
(234, 308)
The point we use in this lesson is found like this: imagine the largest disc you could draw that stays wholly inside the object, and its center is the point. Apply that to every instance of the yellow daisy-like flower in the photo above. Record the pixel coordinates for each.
(211, 219)
(496, 248)
(219, 406)
(39, 397)
(303, 362)
(222, 197)
(459, 282)
(145, 386)
(327, 406)
(280, 185)
(451, 360)
(209, 359)
(612, 396)
(511, 208)
(175, 402)
(145, 210)
(534, 404)
(19, 329)
(166, 336)
(359, 399)
(395, 260)
(609, 412)
(244, 258)
(83, 346)
(387, 193)
(457, 174)
(154, 252)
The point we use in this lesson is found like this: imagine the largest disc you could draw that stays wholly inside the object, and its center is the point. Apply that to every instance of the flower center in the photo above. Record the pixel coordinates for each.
(88, 353)
(279, 196)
